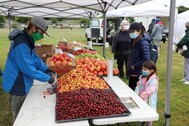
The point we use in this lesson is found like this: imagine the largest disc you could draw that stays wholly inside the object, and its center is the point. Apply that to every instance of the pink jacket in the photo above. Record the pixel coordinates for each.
(147, 90)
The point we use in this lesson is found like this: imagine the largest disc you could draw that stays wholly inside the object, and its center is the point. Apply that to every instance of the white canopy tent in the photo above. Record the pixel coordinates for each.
(63, 8)
(144, 9)
(144, 12)
(58, 8)
(180, 28)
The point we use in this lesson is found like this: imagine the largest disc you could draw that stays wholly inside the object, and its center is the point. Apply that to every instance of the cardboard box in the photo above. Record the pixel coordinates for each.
(43, 49)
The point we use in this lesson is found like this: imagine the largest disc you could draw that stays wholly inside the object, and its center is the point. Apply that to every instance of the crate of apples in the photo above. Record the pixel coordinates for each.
(61, 63)
(97, 67)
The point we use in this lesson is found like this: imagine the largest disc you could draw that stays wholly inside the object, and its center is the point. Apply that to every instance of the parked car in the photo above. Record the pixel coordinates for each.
(95, 30)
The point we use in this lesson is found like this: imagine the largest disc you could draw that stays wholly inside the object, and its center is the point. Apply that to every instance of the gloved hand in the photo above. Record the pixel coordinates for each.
(49, 72)
(52, 79)
(53, 82)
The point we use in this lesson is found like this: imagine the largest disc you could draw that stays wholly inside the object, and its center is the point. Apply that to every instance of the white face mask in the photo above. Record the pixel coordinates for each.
(126, 27)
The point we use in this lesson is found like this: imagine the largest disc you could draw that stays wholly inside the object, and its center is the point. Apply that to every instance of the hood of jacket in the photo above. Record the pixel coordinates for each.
(187, 30)
(146, 37)
(15, 33)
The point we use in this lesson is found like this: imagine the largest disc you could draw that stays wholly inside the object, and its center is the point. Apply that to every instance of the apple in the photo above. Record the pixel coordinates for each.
(51, 63)
(98, 68)
(103, 68)
(70, 63)
(64, 63)
(91, 69)
(57, 63)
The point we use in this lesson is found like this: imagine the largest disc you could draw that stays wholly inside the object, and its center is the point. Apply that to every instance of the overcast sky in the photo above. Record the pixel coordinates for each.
(178, 2)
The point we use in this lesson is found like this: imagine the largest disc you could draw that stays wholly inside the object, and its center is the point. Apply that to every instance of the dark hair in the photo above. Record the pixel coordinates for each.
(139, 37)
(149, 64)
(30, 25)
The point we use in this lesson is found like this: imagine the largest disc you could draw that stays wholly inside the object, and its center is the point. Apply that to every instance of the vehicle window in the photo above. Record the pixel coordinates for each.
(95, 23)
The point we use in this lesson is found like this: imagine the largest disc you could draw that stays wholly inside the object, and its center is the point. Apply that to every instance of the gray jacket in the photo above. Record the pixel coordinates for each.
(157, 32)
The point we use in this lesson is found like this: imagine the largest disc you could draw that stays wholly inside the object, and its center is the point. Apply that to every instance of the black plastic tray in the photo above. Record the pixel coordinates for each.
(97, 117)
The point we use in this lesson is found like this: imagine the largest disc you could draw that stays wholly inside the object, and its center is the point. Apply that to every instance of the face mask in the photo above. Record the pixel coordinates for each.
(144, 73)
(37, 36)
(133, 35)
(126, 27)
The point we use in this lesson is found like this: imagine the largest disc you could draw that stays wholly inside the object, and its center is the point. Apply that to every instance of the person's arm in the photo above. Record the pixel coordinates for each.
(26, 64)
(114, 42)
(39, 64)
(154, 30)
(183, 41)
(144, 49)
(153, 86)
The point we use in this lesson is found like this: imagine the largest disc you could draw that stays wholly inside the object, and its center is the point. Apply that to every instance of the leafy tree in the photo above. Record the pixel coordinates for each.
(2, 19)
(56, 20)
(182, 9)
(22, 19)
(131, 19)
(84, 21)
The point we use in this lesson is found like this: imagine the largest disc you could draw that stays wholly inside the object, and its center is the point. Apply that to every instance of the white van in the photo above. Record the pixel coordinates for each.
(95, 30)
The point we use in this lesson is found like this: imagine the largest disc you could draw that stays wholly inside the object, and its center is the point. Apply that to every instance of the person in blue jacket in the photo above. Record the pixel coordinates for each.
(23, 65)
(139, 53)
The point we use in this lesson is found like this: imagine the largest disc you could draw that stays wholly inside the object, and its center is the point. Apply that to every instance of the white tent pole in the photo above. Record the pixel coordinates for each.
(104, 33)
(167, 114)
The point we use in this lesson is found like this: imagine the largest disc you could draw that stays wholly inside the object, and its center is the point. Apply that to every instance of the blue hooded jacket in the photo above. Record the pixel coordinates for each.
(22, 65)
(139, 54)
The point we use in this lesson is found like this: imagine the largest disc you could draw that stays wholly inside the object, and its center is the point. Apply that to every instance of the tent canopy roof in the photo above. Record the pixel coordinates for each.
(144, 9)
(61, 8)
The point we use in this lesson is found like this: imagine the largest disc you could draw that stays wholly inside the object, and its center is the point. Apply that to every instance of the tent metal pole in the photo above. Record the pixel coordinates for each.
(9, 17)
(104, 34)
(9, 24)
(167, 114)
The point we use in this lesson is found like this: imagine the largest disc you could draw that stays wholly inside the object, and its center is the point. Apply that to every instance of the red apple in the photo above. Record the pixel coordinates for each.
(57, 63)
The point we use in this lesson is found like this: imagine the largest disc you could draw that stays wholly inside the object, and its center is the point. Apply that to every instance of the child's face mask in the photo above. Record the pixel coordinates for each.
(145, 73)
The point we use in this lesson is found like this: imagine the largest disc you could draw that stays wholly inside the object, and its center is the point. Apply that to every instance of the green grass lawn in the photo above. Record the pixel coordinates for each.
(179, 91)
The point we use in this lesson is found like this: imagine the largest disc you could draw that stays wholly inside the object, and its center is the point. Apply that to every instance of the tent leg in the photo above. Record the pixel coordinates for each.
(104, 34)
(9, 17)
(169, 62)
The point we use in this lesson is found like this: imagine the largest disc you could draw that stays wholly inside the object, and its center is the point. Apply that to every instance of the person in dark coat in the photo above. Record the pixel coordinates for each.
(150, 27)
(121, 47)
(139, 53)
(183, 47)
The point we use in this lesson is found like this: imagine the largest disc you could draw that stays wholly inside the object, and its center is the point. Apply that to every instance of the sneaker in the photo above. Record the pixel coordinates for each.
(183, 79)
(186, 82)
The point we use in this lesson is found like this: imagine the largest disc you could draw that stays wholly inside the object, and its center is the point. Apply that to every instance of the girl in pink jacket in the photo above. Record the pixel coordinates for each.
(147, 86)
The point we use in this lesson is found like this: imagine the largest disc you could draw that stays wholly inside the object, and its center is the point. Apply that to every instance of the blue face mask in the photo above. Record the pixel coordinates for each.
(144, 73)
(133, 35)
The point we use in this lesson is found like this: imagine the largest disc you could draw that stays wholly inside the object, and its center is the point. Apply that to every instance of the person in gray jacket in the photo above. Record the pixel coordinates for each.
(157, 33)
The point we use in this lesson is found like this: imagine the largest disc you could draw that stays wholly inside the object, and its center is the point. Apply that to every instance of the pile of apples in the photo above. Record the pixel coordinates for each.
(61, 63)
(97, 67)
(80, 78)
(60, 60)
(83, 50)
